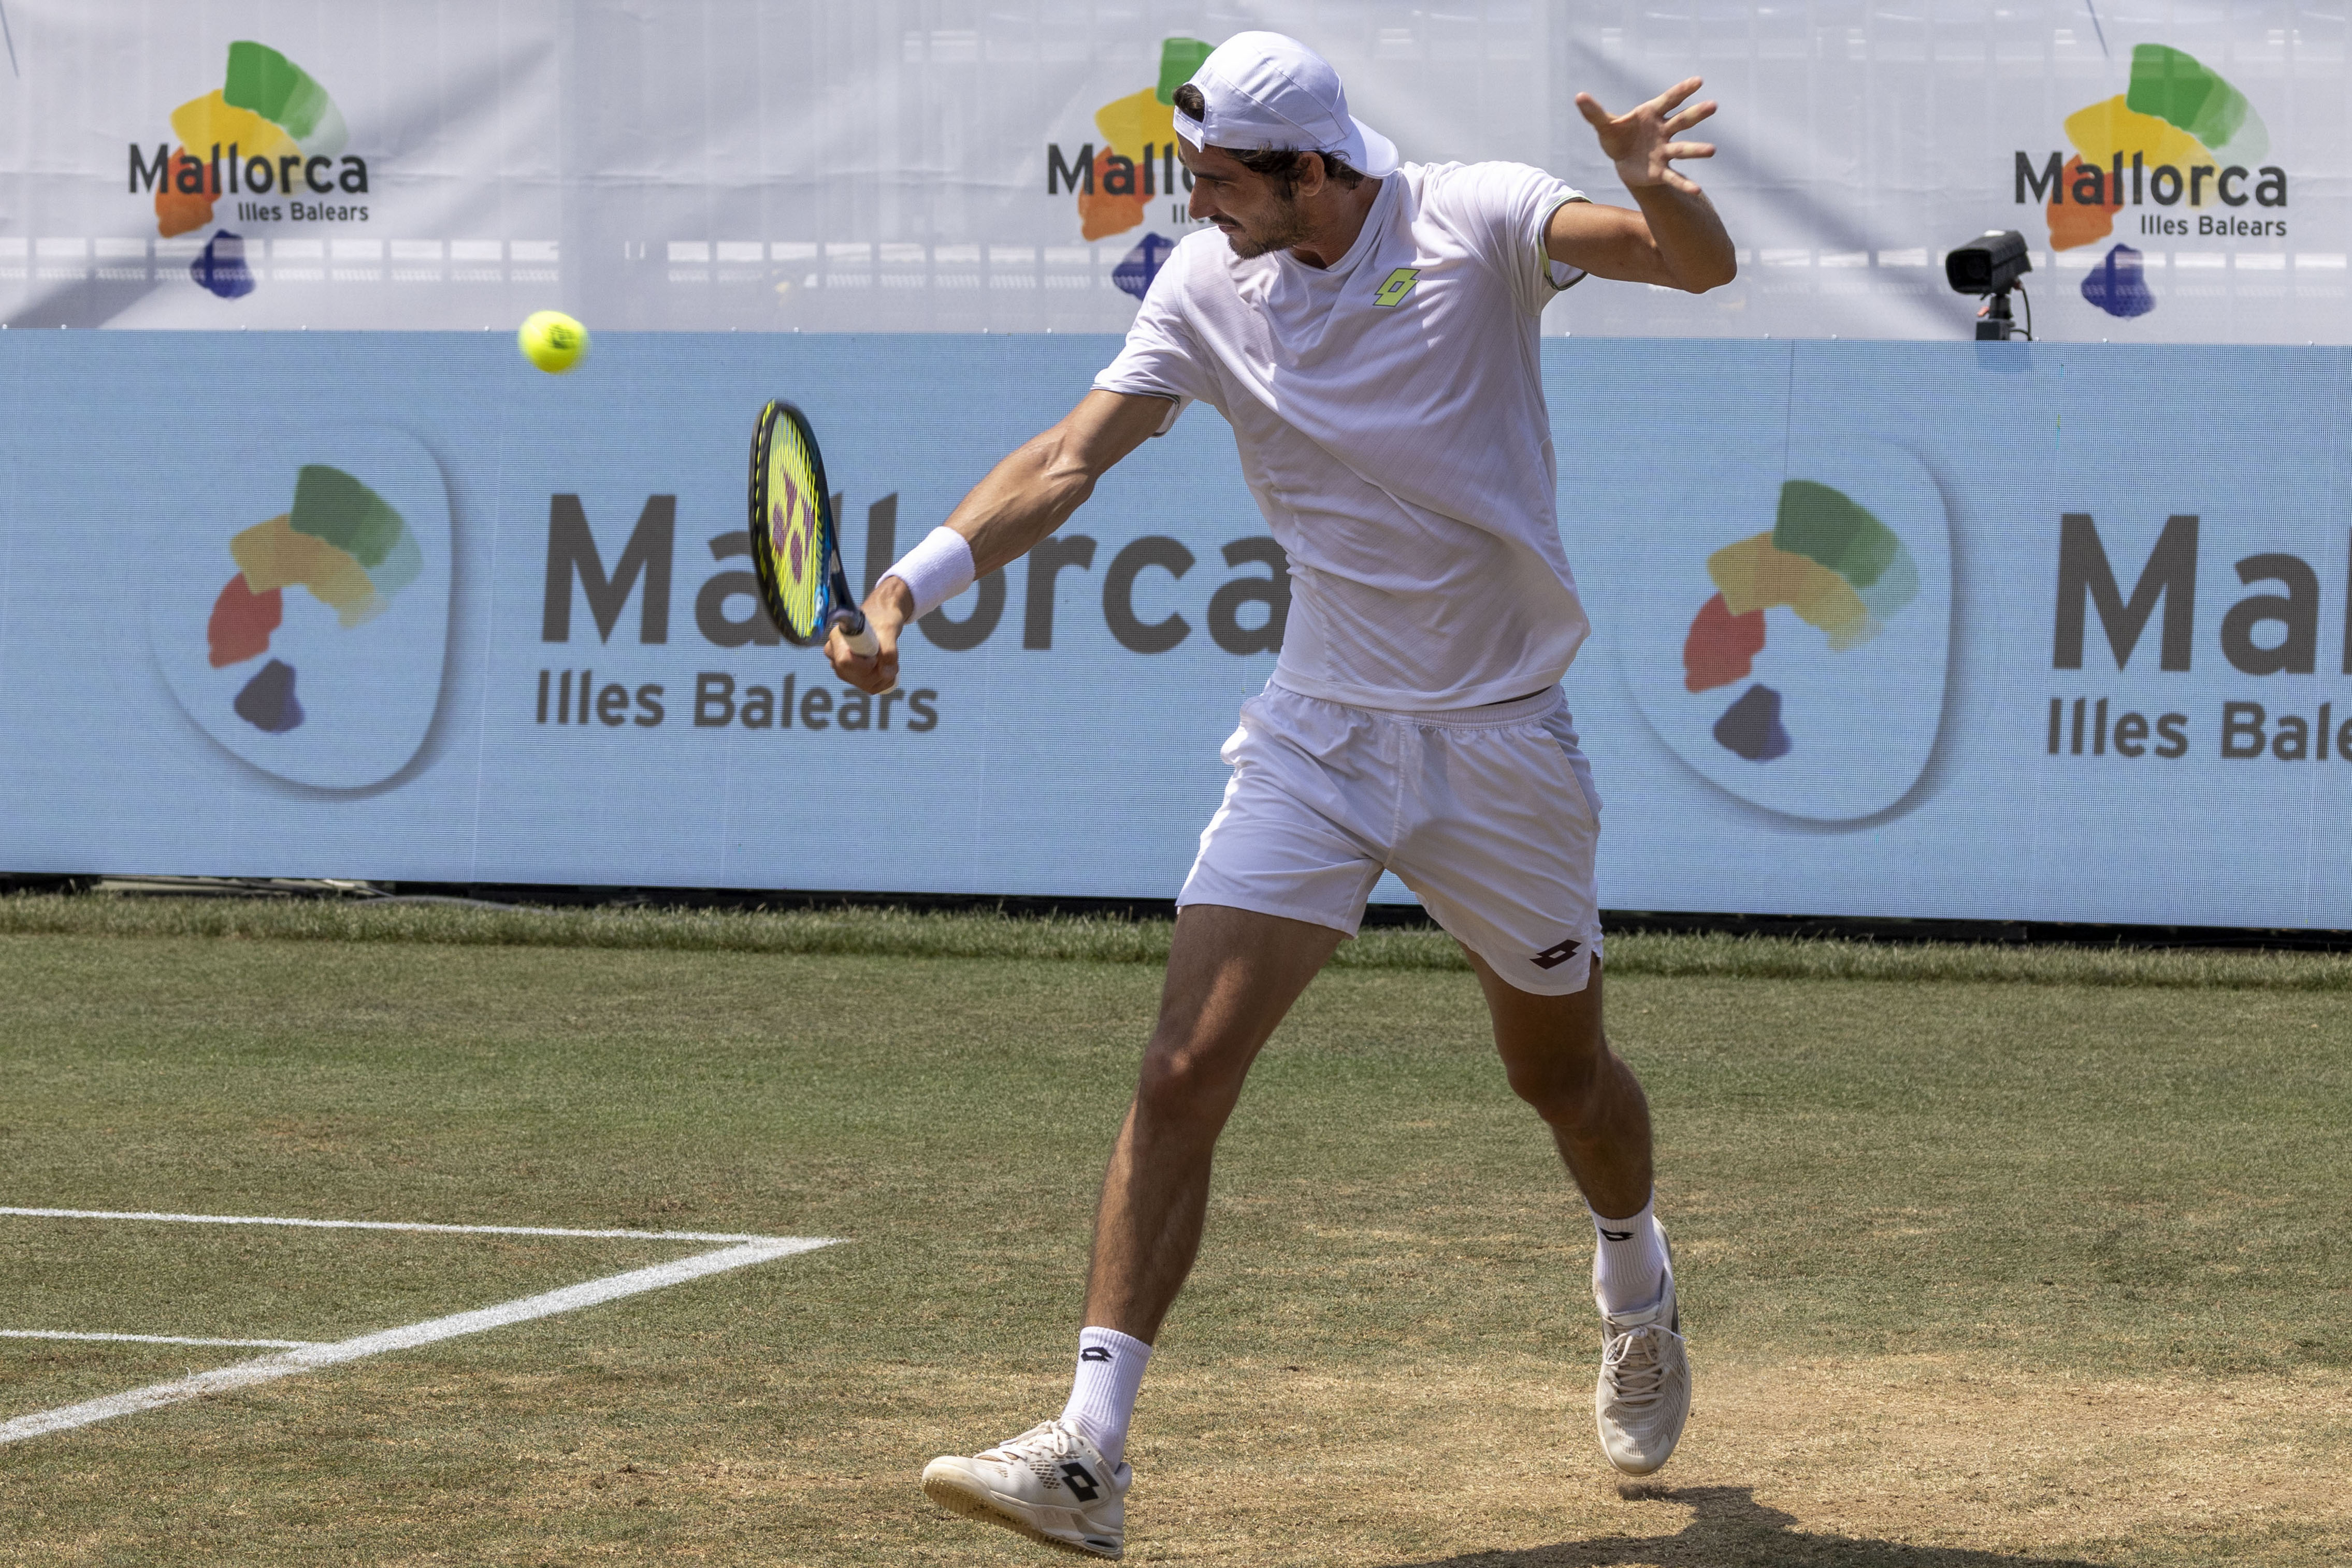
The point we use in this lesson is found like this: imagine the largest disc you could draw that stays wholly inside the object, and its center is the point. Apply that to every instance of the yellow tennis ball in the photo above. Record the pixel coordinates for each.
(552, 341)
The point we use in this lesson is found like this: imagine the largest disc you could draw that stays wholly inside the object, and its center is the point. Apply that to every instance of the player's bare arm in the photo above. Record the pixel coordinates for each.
(1023, 498)
(1675, 239)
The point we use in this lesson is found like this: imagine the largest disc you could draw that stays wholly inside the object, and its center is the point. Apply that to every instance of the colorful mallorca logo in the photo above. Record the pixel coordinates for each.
(271, 138)
(1810, 681)
(1842, 572)
(344, 544)
(1136, 165)
(2178, 139)
(318, 658)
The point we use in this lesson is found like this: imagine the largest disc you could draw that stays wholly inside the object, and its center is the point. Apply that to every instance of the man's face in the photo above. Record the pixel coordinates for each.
(1253, 211)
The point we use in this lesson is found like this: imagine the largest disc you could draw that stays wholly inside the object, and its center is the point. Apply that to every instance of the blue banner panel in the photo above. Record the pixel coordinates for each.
(1947, 631)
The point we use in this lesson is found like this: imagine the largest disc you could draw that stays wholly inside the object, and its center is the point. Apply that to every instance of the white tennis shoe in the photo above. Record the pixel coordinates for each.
(1644, 1393)
(1049, 1484)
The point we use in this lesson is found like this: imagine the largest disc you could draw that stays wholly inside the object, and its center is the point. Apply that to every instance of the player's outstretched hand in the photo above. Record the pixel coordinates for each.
(887, 609)
(1643, 144)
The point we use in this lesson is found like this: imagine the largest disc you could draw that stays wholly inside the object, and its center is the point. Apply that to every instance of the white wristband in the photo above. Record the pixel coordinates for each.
(935, 570)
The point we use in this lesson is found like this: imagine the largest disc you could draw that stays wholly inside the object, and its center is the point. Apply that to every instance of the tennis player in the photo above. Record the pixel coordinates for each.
(1368, 329)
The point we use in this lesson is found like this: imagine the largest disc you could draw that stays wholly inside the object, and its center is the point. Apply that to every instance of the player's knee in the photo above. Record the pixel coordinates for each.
(1564, 1087)
(1185, 1085)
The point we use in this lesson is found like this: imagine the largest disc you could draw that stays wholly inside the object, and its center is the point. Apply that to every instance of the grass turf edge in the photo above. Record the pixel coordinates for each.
(904, 933)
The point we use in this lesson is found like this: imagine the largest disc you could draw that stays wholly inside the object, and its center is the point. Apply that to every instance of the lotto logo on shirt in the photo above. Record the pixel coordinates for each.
(1396, 286)
(301, 614)
(1793, 637)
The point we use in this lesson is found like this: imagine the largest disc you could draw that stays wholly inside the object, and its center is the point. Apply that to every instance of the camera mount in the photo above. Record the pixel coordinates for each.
(1990, 267)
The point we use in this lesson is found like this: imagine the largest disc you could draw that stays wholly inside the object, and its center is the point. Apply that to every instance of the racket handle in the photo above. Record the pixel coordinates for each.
(860, 637)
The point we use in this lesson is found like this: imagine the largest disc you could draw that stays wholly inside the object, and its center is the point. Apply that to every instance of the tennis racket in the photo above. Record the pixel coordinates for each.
(795, 543)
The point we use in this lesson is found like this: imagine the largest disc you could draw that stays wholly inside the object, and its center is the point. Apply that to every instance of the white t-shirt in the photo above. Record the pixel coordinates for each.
(1390, 417)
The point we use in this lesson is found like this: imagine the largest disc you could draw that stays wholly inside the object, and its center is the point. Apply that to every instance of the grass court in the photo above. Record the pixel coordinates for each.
(1988, 1257)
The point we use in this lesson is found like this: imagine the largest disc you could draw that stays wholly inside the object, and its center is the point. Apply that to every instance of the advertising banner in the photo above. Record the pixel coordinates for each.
(2182, 174)
(1999, 631)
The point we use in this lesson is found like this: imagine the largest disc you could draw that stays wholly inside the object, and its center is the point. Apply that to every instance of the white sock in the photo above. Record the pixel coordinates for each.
(1102, 1397)
(1630, 1261)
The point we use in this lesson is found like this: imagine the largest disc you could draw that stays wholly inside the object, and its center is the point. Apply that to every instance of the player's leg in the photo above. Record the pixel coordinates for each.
(1284, 868)
(1232, 976)
(1281, 880)
(1504, 830)
(1559, 1060)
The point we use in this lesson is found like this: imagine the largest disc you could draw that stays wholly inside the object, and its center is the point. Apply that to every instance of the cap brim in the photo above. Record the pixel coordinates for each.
(1380, 153)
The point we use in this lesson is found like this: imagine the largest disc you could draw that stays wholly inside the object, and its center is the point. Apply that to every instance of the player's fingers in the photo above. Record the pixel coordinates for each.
(1666, 101)
(850, 665)
(1590, 106)
(1674, 182)
(869, 675)
(1685, 119)
(1688, 150)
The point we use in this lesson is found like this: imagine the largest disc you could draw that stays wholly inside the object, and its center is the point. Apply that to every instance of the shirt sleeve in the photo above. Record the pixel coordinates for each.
(1162, 356)
(1505, 208)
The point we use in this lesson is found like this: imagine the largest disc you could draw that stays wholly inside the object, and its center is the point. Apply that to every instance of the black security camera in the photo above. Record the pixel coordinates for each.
(1992, 266)
(1989, 265)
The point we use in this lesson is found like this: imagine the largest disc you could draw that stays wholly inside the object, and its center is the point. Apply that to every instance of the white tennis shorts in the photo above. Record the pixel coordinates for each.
(1487, 814)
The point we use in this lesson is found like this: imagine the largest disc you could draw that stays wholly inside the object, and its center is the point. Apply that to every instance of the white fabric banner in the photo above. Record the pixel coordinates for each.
(909, 165)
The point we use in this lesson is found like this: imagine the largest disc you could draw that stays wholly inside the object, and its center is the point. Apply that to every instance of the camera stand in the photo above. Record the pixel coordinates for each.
(1994, 322)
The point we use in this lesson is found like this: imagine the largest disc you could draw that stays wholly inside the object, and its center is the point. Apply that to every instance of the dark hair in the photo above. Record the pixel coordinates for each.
(1285, 166)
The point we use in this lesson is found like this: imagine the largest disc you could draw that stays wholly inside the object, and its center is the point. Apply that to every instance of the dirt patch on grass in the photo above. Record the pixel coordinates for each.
(1827, 1463)
(1404, 1463)
(1947, 1454)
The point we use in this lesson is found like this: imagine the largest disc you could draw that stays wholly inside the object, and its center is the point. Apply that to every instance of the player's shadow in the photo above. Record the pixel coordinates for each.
(1731, 1530)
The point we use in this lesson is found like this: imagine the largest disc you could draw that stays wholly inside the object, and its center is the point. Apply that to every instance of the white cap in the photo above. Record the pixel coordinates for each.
(1264, 90)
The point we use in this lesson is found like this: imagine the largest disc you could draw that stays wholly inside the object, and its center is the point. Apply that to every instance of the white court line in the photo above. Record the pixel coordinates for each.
(385, 1225)
(156, 1339)
(309, 1358)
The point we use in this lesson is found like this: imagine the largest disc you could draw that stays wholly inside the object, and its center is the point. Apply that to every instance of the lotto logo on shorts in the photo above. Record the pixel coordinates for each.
(300, 611)
(1398, 284)
(1553, 957)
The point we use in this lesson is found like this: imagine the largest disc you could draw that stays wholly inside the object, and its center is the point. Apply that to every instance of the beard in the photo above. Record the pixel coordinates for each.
(1287, 229)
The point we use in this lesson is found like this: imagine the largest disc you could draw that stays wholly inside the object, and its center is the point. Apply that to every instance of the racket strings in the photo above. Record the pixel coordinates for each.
(794, 545)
